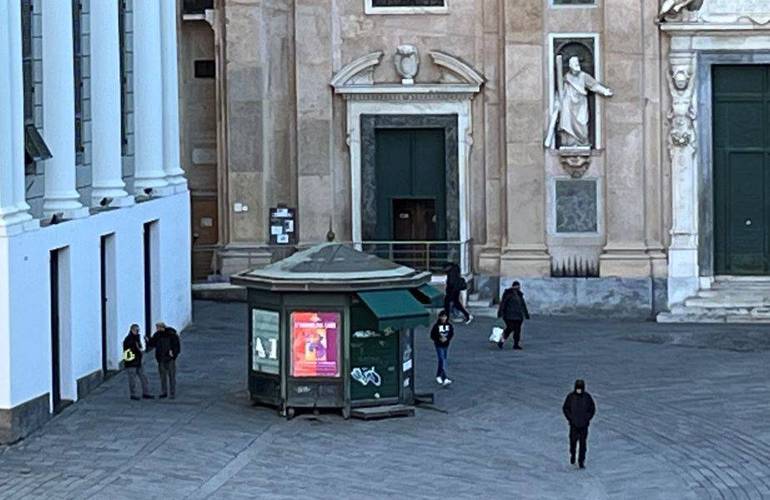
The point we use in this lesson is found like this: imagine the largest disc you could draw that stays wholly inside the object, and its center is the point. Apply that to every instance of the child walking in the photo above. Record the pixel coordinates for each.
(441, 334)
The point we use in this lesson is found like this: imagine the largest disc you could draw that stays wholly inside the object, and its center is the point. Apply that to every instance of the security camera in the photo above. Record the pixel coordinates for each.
(148, 191)
(105, 202)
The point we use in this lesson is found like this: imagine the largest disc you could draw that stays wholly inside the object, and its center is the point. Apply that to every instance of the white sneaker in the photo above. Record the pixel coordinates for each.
(439, 380)
(470, 318)
(447, 382)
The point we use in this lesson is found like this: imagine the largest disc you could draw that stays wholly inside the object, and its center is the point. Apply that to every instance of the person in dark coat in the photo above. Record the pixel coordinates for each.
(132, 362)
(441, 334)
(513, 311)
(579, 408)
(167, 347)
(455, 284)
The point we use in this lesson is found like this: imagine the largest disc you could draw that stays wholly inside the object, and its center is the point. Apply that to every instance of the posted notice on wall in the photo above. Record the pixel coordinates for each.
(315, 344)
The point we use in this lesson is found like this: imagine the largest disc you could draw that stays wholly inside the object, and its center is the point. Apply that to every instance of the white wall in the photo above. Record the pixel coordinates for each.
(25, 328)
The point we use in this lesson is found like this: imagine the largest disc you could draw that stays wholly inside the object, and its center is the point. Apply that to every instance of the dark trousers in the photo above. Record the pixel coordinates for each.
(441, 355)
(452, 297)
(136, 372)
(578, 435)
(167, 371)
(513, 325)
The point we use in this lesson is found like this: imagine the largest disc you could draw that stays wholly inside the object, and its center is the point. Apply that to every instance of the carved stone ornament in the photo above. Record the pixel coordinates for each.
(706, 12)
(678, 10)
(407, 61)
(682, 115)
(575, 161)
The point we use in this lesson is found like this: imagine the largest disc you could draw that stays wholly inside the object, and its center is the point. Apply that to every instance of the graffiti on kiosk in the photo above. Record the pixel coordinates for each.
(366, 376)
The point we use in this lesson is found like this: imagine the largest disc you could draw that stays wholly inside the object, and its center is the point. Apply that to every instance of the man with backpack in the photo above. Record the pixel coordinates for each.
(455, 284)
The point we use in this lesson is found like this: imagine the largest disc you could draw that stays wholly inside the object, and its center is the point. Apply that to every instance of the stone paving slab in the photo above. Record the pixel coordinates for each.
(682, 414)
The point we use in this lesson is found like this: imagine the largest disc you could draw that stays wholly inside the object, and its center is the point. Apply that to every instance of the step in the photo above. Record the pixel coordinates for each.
(726, 302)
(387, 411)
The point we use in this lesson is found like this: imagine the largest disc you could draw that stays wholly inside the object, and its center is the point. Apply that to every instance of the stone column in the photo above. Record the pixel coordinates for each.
(105, 107)
(13, 207)
(171, 164)
(61, 194)
(148, 100)
(524, 253)
(683, 252)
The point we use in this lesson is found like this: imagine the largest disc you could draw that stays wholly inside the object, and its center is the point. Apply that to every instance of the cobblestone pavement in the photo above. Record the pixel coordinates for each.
(682, 414)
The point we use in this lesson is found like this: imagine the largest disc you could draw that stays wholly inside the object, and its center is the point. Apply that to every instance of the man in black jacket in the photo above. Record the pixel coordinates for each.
(513, 310)
(455, 284)
(132, 361)
(579, 409)
(165, 341)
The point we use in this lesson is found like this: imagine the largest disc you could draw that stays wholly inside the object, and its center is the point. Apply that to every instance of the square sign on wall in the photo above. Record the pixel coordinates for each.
(576, 206)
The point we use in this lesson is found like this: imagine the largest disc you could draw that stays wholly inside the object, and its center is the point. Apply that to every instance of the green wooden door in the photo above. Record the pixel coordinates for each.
(410, 165)
(741, 135)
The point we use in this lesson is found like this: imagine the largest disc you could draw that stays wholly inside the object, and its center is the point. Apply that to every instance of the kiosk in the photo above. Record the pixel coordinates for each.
(332, 327)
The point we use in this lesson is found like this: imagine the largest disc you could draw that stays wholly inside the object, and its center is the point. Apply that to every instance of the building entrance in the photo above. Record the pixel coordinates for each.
(741, 135)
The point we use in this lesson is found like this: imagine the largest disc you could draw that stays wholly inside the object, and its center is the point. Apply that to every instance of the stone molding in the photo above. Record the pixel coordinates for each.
(717, 15)
(358, 72)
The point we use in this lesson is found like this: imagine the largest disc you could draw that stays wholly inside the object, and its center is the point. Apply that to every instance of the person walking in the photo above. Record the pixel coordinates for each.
(579, 408)
(167, 347)
(455, 284)
(132, 361)
(513, 311)
(441, 334)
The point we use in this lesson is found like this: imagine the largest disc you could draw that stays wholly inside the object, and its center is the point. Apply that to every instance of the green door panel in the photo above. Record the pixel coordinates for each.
(374, 365)
(409, 163)
(741, 149)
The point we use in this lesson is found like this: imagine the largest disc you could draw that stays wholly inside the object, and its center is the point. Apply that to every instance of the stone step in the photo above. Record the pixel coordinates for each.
(387, 411)
(720, 302)
(696, 314)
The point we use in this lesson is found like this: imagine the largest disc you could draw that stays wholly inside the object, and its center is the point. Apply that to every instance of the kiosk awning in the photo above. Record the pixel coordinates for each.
(395, 309)
(429, 296)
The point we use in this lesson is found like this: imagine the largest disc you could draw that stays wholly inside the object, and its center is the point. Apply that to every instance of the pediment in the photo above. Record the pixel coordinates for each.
(455, 76)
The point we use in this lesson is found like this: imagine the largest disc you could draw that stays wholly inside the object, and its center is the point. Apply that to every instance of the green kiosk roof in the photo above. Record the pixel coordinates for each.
(395, 308)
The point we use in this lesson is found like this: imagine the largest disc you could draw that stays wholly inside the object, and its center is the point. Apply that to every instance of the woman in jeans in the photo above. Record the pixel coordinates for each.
(441, 334)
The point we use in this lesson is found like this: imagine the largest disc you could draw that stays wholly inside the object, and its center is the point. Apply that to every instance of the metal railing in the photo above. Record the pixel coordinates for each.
(430, 256)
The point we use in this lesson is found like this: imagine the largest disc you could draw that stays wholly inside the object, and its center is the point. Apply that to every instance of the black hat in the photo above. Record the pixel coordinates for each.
(515, 283)
(580, 384)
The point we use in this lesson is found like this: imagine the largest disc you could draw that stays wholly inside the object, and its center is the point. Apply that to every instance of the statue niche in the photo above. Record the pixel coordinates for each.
(572, 126)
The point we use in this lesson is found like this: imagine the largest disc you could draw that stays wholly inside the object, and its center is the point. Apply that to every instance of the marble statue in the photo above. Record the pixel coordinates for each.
(674, 7)
(571, 116)
(407, 62)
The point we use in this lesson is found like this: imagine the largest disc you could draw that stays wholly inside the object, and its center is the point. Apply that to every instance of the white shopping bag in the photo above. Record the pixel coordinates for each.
(496, 335)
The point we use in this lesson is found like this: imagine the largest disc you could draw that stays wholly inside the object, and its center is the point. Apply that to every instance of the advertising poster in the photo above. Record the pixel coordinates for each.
(315, 338)
(264, 341)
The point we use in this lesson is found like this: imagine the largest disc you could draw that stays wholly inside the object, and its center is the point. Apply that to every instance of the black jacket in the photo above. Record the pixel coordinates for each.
(441, 332)
(512, 306)
(134, 343)
(454, 279)
(166, 345)
(579, 409)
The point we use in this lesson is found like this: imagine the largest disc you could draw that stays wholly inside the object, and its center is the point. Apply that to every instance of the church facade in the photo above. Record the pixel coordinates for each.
(598, 152)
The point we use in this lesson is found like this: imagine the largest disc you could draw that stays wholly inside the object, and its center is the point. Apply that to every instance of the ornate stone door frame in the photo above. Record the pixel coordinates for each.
(451, 95)
(694, 49)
